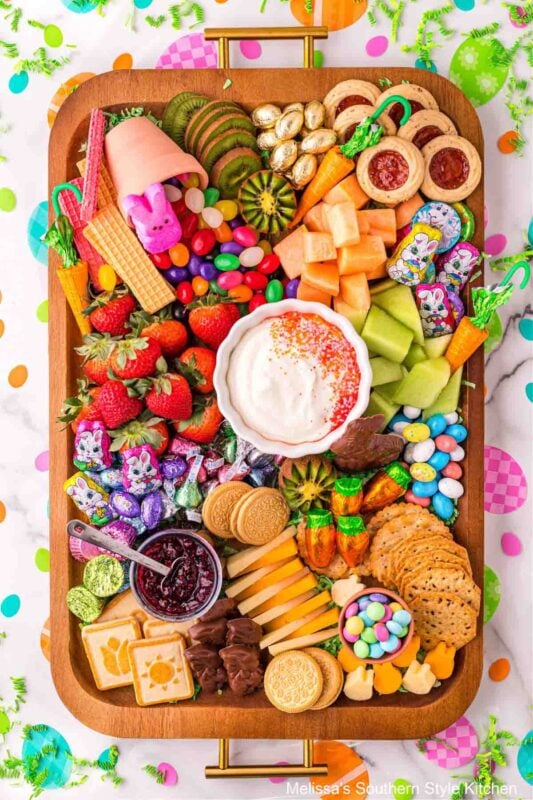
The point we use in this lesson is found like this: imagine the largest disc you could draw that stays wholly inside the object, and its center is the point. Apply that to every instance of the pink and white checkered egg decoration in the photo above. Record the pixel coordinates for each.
(188, 52)
(505, 482)
(459, 745)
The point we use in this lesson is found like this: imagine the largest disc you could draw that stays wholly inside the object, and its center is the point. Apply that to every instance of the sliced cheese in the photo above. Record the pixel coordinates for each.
(302, 641)
(276, 611)
(249, 558)
(329, 617)
(283, 571)
(298, 612)
(271, 592)
(237, 587)
(290, 627)
(306, 582)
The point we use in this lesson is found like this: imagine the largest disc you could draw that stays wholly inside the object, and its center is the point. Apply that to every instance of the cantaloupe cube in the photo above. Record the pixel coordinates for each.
(364, 223)
(377, 273)
(347, 189)
(315, 220)
(319, 247)
(406, 210)
(322, 275)
(382, 222)
(312, 295)
(368, 255)
(342, 221)
(354, 315)
(354, 290)
(291, 252)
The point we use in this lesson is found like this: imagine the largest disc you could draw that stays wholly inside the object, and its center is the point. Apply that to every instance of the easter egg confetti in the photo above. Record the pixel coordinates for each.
(492, 594)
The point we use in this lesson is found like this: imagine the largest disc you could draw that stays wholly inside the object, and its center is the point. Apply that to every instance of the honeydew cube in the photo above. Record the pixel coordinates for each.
(399, 302)
(423, 384)
(386, 336)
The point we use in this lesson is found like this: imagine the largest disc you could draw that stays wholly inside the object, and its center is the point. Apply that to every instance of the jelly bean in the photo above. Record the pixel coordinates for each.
(439, 460)
(361, 649)
(161, 260)
(107, 277)
(185, 292)
(291, 288)
(351, 611)
(363, 603)
(436, 424)
(189, 225)
(274, 291)
(251, 256)
(422, 472)
(445, 443)
(203, 242)
(350, 637)
(416, 432)
(176, 274)
(364, 616)
(231, 247)
(212, 217)
(217, 289)
(223, 233)
(451, 488)
(375, 611)
(211, 195)
(391, 644)
(172, 193)
(422, 451)
(246, 236)
(236, 222)
(255, 280)
(199, 286)
(369, 636)
(459, 432)
(190, 179)
(376, 651)
(442, 506)
(412, 412)
(194, 200)
(382, 634)
(269, 264)
(402, 617)
(421, 489)
(202, 224)
(354, 625)
(179, 255)
(265, 246)
(179, 207)
(393, 626)
(408, 453)
(457, 453)
(229, 280)
(453, 470)
(387, 615)
(226, 262)
(228, 208)
(241, 294)
(256, 301)
(451, 418)
(208, 271)
(377, 597)
(419, 501)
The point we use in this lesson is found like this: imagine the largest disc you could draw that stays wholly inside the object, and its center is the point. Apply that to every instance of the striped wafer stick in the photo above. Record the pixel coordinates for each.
(116, 242)
(106, 191)
(71, 208)
(93, 161)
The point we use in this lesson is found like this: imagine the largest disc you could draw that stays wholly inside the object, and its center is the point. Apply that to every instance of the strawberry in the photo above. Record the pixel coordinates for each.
(144, 430)
(109, 313)
(197, 364)
(116, 405)
(96, 351)
(84, 405)
(211, 321)
(203, 425)
(171, 334)
(135, 358)
(170, 397)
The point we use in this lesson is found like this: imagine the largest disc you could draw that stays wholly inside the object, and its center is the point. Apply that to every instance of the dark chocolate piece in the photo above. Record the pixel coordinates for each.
(245, 673)
(207, 667)
(243, 630)
(213, 632)
(222, 608)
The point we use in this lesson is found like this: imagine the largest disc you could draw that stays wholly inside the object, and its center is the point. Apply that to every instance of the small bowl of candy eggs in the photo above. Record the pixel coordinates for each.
(376, 625)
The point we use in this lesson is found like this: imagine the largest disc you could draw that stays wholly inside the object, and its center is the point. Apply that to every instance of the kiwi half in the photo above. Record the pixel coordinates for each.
(221, 123)
(228, 140)
(232, 169)
(267, 201)
(178, 113)
(199, 121)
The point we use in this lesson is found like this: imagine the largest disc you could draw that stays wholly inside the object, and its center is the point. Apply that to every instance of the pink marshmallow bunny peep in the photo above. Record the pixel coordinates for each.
(153, 218)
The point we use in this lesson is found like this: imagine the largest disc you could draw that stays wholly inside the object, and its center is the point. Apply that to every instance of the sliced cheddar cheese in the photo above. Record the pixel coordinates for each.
(302, 641)
(280, 553)
(291, 251)
(279, 573)
(237, 587)
(276, 611)
(325, 620)
(284, 632)
(253, 557)
(316, 601)
(323, 276)
(319, 247)
(342, 222)
(299, 587)
(271, 593)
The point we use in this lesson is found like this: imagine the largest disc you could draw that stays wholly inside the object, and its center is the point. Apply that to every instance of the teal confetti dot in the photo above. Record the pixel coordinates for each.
(57, 764)
(318, 58)
(525, 326)
(524, 758)
(529, 392)
(10, 605)
(18, 82)
(142, 3)
(492, 595)
(465, 5)
(421, 64)
(80, 8)
(37, 227)
(530, 233)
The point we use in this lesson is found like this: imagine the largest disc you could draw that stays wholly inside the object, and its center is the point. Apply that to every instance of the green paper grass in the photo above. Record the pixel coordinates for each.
(154, 773)
(393, 10)
(426, 41)
(492, 751)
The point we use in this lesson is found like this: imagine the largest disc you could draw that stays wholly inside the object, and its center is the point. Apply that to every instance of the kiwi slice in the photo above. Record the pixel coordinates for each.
(202, 118)
(232, 169)
(223, 122)
(178, 113)
(228, 140)
(267, 201)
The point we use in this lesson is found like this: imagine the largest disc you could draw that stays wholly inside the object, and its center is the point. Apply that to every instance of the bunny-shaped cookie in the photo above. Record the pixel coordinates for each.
(153, 218)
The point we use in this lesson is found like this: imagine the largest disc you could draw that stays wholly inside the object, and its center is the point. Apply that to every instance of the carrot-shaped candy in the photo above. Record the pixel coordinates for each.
(73, 274)
(338, 161)
(472, 331)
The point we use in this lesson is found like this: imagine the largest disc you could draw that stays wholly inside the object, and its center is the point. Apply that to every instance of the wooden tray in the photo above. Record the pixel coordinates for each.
(398, 716)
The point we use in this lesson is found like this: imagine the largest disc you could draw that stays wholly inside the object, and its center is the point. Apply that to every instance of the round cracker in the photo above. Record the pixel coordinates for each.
(332, 677)
(293, 681)
(219, 504)
(262, 515)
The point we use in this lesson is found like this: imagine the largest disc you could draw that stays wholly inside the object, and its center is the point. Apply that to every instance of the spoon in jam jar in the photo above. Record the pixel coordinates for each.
(80, 530)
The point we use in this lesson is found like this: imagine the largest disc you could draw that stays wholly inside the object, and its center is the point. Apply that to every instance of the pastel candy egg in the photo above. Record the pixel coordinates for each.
(375, 611)
(451, 488)
(369, 636)
(457, 454)
(445, 443)
(387, 615)
(352, 610)
(245, 236)
(422, 451)
(408, 456)
(376, 650)
(377, 597)
(381, 632)
(350, 637)
(439, 460)
(453, 470)
(394, 607)
(451, 418)
(212, 216)
(404, 631)
(361, 649)
(399, 425)
(391, 644)
(416, 432)
(251, 256)
(354, 626)
(411, 412)
(437, 424)
(366, 619)
(399, 419)
(459, 432)
(424, 502)
(364, 602)
(394, 627)
(402, 617)
(194, 200)
(422, 472)
(421, 489)
(229, 280)
(442, 506)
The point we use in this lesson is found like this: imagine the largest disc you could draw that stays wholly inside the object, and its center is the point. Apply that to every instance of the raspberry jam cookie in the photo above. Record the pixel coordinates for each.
(346, 94)
(391, 171)
(419, 98)
(348, 120)
(452, 169)
(426, 125)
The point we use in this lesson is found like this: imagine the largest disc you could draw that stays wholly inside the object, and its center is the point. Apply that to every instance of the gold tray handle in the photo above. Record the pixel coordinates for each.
(227, 35)
(225, 770)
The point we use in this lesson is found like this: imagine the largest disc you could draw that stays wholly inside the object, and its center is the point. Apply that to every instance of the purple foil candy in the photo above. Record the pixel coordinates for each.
(435, 309)
(455, 267)
(173, 467)
(152, 510)
(183, 447)
(124, 503)
(233, 472)
(458, 308)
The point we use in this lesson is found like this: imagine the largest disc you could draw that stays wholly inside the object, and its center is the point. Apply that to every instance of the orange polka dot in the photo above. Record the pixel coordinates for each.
(123, 61)
(18, 376)
(64, 91)
(2, 511)
(499, 669)
(2, 327)
(347, 772)
(45, 639)
(508, 141)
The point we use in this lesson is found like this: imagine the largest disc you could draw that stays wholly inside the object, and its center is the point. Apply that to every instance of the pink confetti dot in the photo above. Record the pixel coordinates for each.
(279, 778)
(42, 462)
(251, 49)
(376, 46)
(505, 482)
(495, 244)
(171, 776)
(511, 544)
